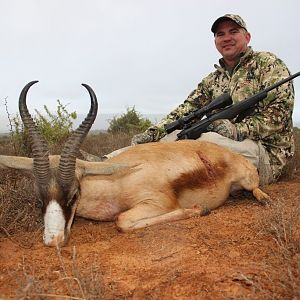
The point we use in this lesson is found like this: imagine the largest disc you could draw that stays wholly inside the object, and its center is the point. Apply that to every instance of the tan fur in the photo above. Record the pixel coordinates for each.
(157, 182)
(167, 181)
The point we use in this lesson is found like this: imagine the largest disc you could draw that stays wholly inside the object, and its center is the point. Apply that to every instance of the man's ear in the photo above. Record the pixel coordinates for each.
(248, 36)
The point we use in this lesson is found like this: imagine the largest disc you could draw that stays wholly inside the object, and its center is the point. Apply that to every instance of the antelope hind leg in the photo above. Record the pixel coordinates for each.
(261, 196)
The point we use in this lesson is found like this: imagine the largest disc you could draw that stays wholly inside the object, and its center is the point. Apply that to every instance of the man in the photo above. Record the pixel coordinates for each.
(265, 137)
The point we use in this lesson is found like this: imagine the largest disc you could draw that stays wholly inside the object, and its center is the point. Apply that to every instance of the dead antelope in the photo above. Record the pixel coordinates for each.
(145, 185)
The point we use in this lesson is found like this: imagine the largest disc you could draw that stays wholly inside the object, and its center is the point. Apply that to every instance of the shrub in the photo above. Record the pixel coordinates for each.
(54, 127)
(130, 122)
(57, 127)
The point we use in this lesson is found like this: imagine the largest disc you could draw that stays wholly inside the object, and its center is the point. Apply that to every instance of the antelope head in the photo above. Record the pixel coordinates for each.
(56, 180)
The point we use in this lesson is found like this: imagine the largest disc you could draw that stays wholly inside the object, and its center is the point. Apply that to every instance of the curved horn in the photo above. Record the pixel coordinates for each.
(66, 169)
(39, 145)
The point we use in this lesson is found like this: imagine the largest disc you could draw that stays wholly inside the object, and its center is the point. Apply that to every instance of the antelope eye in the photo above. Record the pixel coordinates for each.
(39, 203)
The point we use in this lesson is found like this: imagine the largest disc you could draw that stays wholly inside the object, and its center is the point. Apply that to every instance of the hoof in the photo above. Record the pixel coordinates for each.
(205, 211)
(262, 197)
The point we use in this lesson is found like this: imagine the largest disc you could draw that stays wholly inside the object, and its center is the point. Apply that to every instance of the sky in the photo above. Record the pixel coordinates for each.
(147, 54)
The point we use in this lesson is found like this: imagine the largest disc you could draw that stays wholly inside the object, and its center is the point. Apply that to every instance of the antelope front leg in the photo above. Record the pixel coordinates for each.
(144, 215)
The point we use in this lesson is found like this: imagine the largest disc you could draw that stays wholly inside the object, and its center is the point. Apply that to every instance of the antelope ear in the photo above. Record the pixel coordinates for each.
(100, 168)
(16, 162)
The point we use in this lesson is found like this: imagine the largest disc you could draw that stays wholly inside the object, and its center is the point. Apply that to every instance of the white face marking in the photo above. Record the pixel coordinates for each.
(54, 221)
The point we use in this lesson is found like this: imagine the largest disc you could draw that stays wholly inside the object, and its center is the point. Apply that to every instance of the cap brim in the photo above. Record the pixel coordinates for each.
(219, 20)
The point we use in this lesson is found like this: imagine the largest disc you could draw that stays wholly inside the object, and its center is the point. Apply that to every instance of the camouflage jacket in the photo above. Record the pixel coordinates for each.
(270, 122)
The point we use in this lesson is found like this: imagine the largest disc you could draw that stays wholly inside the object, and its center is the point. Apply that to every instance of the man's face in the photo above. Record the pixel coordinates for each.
(231, 40)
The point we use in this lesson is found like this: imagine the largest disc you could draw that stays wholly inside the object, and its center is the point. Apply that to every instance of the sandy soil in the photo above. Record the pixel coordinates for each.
(229, 254)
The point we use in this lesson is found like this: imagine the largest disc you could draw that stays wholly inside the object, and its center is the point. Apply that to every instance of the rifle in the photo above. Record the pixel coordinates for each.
(185, 122)
(195, 130)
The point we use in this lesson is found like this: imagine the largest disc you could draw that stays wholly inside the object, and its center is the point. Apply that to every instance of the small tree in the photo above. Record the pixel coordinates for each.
(130, 122)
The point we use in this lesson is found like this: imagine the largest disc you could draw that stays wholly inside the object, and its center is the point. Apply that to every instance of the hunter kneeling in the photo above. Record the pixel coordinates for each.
(264, 133)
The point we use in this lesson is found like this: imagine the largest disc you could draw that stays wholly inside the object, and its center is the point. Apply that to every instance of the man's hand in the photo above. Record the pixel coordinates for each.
(151, 135)
(223, 127)
(141, 138)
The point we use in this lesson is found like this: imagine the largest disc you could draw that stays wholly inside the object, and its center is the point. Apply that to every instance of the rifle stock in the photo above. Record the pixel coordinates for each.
(195, 131)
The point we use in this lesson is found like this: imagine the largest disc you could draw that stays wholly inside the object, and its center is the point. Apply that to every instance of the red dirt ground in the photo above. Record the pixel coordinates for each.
(228, 254)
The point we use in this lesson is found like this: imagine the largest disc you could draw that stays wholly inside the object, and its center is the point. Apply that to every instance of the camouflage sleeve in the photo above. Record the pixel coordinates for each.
(274, 113)
(196, 99)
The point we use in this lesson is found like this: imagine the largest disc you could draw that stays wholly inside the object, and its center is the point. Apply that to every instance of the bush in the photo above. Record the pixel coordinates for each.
(130, 122)
(58, 126)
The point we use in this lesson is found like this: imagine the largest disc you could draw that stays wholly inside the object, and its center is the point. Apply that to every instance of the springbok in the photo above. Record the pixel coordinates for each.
(145, 185)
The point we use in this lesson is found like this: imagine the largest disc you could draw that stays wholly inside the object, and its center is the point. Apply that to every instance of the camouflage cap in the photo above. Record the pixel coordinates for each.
(235, 18)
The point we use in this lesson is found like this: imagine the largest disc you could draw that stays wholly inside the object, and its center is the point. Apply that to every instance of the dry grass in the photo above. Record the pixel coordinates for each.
(68, 282)
(281, 223)
(19, 209)
(104, 143)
